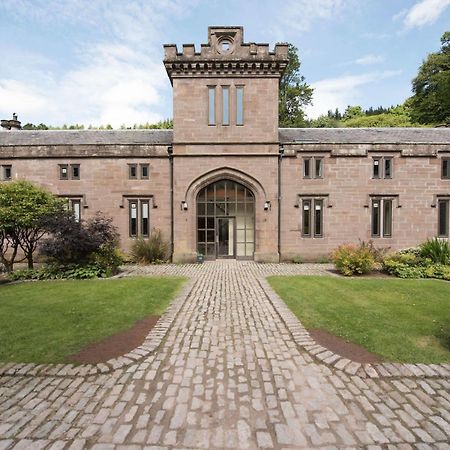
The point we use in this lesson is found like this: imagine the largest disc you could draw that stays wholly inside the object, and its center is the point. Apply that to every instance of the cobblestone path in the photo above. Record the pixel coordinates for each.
(228, 375)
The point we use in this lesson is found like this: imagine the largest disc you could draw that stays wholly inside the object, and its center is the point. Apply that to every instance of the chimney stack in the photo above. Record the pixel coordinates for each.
(12, 124)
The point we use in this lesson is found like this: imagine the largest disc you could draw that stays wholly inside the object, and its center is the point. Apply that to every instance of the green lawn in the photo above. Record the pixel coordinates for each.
(47, 321)
(400, 320)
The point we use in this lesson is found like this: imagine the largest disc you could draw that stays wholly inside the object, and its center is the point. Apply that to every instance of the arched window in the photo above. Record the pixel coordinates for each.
(226, 221)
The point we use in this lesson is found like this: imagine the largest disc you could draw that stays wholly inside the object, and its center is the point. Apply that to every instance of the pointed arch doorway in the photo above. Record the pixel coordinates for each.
(226, 220)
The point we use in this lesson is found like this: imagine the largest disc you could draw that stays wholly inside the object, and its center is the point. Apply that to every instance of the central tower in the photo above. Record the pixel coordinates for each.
(225, 118)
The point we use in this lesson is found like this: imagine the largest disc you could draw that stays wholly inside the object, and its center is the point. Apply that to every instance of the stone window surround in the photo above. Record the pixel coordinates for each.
(4, 170)
(69, 171)
(325, 202)
(445, 167)
(142, 228)
(312, 173)
(138, 171)
(233, 113)
(382, 167)
(380, 200)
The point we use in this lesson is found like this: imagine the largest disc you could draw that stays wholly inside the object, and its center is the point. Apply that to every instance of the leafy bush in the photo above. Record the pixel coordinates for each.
(403, 269)
(436, 249)
(351, 259)
(93, 242)
(150, 251)
(297, 259)
(58, 272)
(378, 253)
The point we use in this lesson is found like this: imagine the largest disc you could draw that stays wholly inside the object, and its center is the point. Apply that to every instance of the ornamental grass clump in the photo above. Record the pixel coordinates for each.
(438, 250)
(150, 251)
(351, 259)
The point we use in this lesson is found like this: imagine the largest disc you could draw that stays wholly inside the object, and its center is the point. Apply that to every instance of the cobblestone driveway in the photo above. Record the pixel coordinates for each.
(229, 374)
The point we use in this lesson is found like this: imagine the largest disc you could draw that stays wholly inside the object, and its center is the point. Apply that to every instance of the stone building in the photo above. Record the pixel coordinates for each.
(228, 183)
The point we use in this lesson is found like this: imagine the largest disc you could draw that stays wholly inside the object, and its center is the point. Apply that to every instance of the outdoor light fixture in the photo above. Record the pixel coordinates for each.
(184, 206)
(267, 205)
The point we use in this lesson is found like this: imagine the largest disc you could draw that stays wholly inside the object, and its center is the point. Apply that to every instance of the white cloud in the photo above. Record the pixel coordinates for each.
(300, 15)
(369, 59)
(340, 92)
(118, 78)
(424, 12)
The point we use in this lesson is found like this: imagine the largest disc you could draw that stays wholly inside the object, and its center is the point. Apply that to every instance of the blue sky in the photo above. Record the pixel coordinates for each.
(100, 61)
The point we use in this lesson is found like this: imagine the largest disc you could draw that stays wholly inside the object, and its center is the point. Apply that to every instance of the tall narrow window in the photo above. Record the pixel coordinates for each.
(318, 217)
(63, 172)
(211, 105)
(144, 218)
(312, 217)
(318, 167)
(306, 167)
(144, 171)
(132, 171)
(382, 217)
(133, 218)
(376, 168)
(225, 105)
(387, 167)
(75, 207)
(239, 105)
(306, 219)
(445, 172)
(443, 218)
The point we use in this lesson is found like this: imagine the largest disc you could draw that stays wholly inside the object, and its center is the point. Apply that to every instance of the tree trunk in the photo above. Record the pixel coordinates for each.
(30, 261)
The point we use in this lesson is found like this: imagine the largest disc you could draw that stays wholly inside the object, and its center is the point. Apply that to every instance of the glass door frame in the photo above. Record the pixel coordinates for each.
(217, 228)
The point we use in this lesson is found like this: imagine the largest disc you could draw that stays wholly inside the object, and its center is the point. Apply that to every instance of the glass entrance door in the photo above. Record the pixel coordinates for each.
(225, 237)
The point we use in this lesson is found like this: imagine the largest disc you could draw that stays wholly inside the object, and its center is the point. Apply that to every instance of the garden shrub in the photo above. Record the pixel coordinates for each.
(150, 251)
(58, 272)
(297, 259)
(437, 250)
(352, 259)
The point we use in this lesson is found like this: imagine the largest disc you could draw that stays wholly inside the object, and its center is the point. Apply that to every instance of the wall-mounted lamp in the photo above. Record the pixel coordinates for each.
(184, 205)
(267, 205)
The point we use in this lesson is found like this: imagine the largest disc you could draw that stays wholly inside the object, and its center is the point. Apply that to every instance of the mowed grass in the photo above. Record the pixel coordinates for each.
(399, 320)
(47, 321)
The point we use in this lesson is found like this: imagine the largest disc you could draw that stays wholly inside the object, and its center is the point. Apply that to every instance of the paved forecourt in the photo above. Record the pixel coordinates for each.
(228, 373)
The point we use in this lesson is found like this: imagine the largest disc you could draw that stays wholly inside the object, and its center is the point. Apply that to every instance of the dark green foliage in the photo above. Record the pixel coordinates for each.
(431, 100)
(151, 250)
(57, 272)
(294, 93)
(436, 249)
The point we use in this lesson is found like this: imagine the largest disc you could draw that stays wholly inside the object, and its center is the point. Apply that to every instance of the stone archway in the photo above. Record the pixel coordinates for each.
(225, 220)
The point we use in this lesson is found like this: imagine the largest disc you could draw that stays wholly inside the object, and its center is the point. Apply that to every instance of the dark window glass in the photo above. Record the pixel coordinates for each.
(133, 218)
(144, 171)
(376, 168)
(387, 218)
(443, 217)
(388, 168)
(145, 217)
(318, 167)
(318, 207)
(445, 167)
(376, 218)
(132, 171)
(75, 171)
(307, 168)
(63, 172)
(306, 218)
(7, 173)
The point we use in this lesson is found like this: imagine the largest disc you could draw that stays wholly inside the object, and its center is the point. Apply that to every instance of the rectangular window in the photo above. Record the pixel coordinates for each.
(313, 167)
(306, 167)
(306, 218)
(6, 174)
(75, 207)
(63, 172)
(387, 167)
(443, 218)
(225, 105)
(382, 167)
(133, 218)
(382, 217)
(239, 105)
(318, 216)
(132, 171)
(144, 218)
(211, 105)
(445, 173)
(312, 217)
(144, 171)
(75, 171)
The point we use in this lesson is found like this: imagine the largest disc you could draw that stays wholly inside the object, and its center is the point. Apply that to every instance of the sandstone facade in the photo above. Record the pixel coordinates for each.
(244, 146)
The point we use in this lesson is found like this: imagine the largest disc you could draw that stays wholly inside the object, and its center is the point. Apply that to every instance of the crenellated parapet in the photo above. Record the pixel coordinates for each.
(225, 54)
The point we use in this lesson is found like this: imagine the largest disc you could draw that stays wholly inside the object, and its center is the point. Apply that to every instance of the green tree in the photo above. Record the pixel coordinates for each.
(294, 94)
(352, 111)
(327, 121)
(24, 214)
(431, 87)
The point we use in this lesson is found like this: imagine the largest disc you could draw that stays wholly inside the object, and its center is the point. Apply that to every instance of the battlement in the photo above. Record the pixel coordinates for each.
(224, 54)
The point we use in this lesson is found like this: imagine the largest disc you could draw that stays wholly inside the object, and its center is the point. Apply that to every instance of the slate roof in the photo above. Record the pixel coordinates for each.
(364, 135)
(286, 135)
(86, 137)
